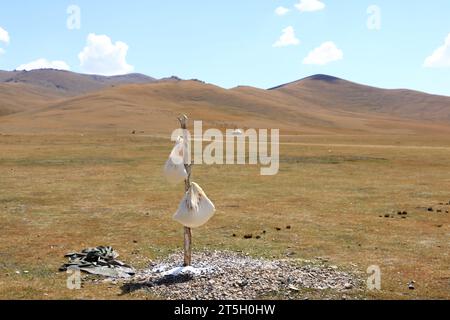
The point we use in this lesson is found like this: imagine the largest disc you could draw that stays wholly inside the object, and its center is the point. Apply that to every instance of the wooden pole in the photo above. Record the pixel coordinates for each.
(187, 231)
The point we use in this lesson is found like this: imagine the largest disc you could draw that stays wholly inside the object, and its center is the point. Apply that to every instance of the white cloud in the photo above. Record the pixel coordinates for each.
(2, 51)
(326, 53)
(288, 38)
(4, 36)
(310, 5)
(101, 56)
(44, 64)
(440, 57)
(281, 11)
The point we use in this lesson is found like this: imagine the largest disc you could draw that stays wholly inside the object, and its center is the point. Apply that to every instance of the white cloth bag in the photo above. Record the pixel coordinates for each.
(195, 209)
(174, 170)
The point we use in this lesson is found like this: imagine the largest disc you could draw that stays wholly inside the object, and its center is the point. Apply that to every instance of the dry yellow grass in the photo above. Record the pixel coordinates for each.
(64, 193)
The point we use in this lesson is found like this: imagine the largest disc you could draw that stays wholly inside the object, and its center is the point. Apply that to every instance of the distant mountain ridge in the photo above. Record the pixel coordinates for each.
(70, 83)
(57, 101)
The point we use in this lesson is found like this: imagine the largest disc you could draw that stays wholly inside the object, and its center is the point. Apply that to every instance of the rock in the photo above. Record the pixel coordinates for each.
(439, 211)
(290, 254)
(293, 288)
(278, 229)
(248, 236)
(405, 213)
(238, 276)
(430, 209)
(348, 286)
(289, 227)
(411, 285)
(387, 215)
(234, 235)
(258, 237)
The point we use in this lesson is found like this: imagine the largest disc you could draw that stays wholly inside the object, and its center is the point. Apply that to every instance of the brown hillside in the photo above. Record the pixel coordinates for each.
(337, 94)
(301, 107)
(17, 97)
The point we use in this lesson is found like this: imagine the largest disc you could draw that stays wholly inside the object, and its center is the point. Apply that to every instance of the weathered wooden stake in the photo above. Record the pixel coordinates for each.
(187, 231)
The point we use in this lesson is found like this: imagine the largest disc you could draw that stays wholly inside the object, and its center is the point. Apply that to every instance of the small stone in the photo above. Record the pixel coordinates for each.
(289, 227)
(293, 288)
(430, 209)
(348, 286)
(248, 236)
(411, 286)
(17, 272)
(234, 235)
(278, 229)
(405, 213)
(290, 254)
(258, 237)
(387, 215)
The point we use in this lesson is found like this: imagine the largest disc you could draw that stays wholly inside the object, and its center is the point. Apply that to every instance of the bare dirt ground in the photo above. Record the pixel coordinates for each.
(340, 196)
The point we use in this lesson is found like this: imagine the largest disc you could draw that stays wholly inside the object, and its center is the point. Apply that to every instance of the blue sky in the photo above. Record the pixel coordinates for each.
(232, 42)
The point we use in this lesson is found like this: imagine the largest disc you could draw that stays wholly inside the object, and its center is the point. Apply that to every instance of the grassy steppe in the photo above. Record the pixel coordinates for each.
(64, 193)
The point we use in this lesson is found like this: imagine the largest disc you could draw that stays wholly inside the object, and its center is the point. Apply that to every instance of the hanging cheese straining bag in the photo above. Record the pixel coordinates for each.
(174, 170)
(195, 209)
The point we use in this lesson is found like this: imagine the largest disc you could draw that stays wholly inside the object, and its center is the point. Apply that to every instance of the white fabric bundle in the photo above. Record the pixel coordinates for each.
(195, 209)
(174, 170)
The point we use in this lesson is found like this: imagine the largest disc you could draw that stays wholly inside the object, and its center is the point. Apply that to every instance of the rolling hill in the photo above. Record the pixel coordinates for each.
(17, 97)
(338, 94)
(318, 104)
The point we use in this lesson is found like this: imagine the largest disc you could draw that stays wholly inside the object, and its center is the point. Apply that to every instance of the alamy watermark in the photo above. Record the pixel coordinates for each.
(374, 19)
(235, 146)
(374, 280)
(74, 19)
(73, 281)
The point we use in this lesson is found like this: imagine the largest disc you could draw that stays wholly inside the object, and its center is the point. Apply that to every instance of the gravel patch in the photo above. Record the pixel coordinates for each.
(222, 275)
